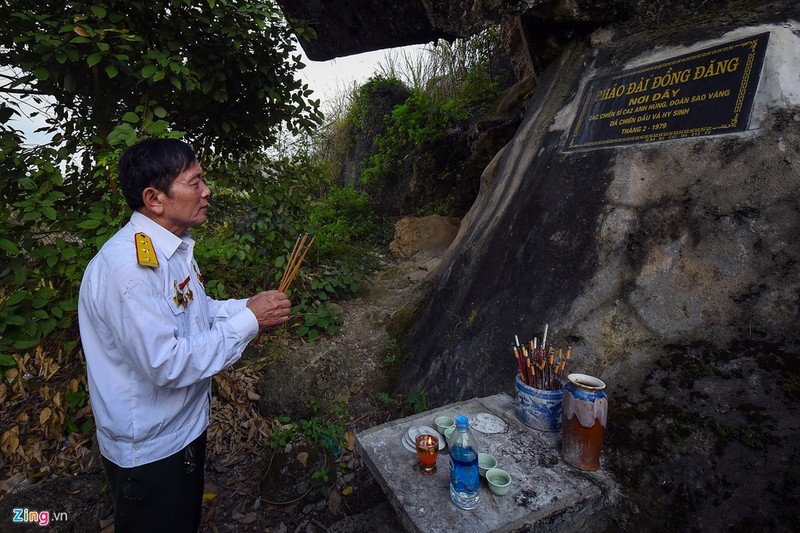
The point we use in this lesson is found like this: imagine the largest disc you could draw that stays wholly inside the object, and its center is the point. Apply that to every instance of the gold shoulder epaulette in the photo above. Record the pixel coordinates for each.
(145, 253)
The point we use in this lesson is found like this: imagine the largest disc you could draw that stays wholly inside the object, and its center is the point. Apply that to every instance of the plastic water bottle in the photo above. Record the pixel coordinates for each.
(464, 478)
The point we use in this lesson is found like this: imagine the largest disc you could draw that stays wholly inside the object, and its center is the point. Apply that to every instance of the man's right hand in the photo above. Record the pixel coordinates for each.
(270, 307)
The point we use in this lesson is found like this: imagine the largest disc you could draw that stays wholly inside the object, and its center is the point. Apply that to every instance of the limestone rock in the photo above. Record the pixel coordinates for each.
(412, 235)
(672, 268)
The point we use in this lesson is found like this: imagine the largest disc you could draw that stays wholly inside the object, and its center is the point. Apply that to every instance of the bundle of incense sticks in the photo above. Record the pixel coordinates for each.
(541, 367)
(292, 268)
(295, 260)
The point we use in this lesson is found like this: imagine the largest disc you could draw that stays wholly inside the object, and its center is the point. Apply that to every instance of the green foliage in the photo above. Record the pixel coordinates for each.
(374, 100)
(478, 92)
(412, 128)
(391, 352)
(346, 226)
(223, 72)
(315, 320)
(281, 435)
(410, 148)
(328, 431)
(418, 401)
(76, 400)
(790, 386)
(48, 238)
(408, 125)
(473, 316)
(369, 111)
(242, 254)
(320, 476)
(330, 282)
(109, 75)
(257, 208)
(385, 398)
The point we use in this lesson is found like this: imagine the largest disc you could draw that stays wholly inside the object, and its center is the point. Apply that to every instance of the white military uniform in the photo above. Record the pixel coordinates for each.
(153, 340)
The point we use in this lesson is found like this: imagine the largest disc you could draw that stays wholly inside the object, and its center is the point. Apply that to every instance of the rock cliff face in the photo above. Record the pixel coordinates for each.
(367, 25)
(623, 249)
(360, 25)
(672, 267)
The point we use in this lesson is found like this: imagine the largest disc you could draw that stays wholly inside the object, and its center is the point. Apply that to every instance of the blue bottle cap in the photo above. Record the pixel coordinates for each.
(462, 422)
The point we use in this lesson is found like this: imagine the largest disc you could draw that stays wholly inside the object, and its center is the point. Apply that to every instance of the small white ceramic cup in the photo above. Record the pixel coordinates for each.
(443, 423)
(485, 462)
(448, 434)
(499, 481)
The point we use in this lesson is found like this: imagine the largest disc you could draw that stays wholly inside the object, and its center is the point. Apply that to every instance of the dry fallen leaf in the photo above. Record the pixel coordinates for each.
(351, 441)
(49, 370)
(9, 442)
(44, 415)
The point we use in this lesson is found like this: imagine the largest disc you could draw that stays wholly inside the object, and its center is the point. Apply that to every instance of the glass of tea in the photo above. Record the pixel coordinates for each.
(427, 451)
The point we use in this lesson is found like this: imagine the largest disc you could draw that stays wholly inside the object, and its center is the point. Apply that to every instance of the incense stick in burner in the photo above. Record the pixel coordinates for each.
(540, 366)
(521, 365)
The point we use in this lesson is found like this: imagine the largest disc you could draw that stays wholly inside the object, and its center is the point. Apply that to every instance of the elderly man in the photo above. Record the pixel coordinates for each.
(153, 340)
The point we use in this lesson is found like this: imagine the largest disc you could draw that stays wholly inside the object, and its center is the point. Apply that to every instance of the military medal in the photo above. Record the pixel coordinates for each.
(183, 293)
(197, 273)
(145, 253)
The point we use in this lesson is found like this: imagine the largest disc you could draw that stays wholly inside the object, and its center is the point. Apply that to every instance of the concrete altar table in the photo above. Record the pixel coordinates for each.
(545, 492)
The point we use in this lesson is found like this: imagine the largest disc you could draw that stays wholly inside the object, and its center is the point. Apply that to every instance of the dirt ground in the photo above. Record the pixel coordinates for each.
(239, 457)
(348, 371)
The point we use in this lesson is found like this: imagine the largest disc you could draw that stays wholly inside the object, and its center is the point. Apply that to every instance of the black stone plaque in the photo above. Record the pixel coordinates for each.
(708, 92)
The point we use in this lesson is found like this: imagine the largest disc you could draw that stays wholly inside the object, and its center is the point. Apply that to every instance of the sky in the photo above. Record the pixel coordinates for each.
(329, 78)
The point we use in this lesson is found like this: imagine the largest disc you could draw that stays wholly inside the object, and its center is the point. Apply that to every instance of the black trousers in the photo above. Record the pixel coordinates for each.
(166, 495)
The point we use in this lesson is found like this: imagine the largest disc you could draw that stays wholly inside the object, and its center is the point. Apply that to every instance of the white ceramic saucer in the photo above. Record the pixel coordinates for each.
(410, 436)
(487, 423)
